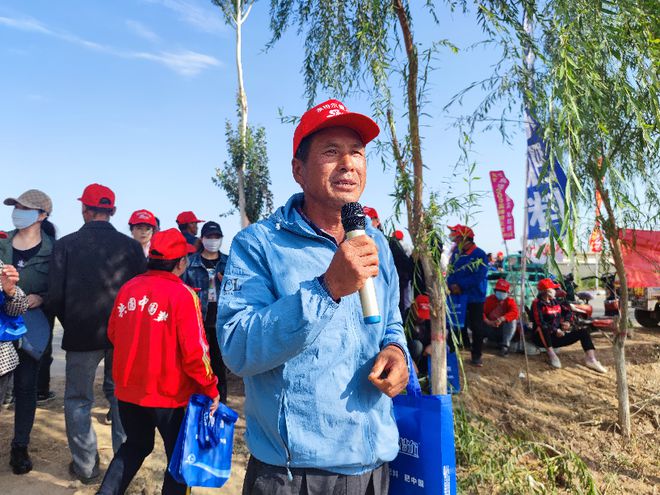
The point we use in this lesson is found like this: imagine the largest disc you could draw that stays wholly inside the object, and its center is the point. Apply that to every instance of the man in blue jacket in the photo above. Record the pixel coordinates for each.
(468, 274)
(318, 380)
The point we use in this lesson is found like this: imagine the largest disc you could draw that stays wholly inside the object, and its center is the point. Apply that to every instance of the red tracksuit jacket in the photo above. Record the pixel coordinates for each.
(161, 355)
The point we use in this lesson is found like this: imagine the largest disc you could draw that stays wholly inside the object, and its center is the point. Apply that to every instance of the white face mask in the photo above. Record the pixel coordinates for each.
(24, 218)
(552, 293)
(212, 245)
(501, 296)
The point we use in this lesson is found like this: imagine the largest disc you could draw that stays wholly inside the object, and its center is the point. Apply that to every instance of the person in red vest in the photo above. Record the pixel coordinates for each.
(500, 315)
(553, 329)
(161, 359)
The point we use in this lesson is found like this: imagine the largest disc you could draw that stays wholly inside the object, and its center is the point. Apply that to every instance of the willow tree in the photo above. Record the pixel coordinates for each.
(245, 177)
(356, 46)
(596, 94)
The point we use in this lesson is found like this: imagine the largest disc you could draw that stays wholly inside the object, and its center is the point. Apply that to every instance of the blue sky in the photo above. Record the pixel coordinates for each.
(134, 94)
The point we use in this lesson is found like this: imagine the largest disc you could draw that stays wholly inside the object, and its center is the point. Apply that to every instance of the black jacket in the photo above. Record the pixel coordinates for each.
(86, 271)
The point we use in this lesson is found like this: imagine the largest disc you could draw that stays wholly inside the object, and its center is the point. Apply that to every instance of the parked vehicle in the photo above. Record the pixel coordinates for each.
(641, 260)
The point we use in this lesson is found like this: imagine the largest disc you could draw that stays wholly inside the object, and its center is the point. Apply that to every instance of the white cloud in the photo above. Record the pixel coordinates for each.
(25, 25)
(142, 31)
(203, 18)
(184, 62)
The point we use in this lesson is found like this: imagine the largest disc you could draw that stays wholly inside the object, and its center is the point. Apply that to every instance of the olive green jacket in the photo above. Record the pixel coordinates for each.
(34, 275)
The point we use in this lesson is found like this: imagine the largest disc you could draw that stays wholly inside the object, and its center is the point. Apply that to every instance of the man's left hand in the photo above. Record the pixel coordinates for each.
(390, 371)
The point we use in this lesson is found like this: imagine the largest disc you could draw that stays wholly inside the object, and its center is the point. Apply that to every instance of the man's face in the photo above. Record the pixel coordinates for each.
(193, 228)
(335, 172)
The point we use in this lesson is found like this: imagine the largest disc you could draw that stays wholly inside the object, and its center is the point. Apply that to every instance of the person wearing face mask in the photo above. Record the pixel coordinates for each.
(551, 330)
(28, 248)
(500, 315)
(204, 273)
(143, 225)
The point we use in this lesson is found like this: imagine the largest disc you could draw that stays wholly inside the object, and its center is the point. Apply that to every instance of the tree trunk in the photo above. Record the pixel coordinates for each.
(413, 120)
(622, 327)
(418, 225)
(243, 106)
(436, 292)
(401, 165)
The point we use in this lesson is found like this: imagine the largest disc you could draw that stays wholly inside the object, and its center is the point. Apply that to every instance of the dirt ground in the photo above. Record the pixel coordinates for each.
(51, 457)
(576, 408)
(572, 407)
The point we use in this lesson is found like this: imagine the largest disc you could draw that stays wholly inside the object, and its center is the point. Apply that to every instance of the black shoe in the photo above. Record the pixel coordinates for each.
(43, 399)
(476, 361)
(108, 417)
(504, 351)
(94, 478)
(19, 460)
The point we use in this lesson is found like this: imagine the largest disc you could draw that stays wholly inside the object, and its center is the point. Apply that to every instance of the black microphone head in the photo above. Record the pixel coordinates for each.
(352, 217)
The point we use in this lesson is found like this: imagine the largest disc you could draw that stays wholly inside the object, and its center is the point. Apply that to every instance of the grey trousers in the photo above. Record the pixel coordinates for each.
(500, 336)
(78, 402)
(265, 479)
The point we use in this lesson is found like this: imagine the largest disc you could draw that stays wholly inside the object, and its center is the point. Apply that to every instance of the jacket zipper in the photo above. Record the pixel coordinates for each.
(289, 475)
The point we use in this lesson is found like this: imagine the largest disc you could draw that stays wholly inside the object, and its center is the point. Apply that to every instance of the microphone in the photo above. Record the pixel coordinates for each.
(353, 220)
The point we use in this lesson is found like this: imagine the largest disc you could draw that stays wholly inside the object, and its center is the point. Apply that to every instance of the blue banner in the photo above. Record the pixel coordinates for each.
(546, 188)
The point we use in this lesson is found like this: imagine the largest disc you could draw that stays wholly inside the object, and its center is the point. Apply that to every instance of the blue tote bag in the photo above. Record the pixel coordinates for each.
(202, 454)
(456, 311)
(453, 372)
(426, 463)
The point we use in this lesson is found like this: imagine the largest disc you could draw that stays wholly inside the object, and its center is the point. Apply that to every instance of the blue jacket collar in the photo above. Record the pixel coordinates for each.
(289, 217)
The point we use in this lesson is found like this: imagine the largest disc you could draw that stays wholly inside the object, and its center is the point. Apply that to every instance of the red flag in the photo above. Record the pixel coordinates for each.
(503, 203)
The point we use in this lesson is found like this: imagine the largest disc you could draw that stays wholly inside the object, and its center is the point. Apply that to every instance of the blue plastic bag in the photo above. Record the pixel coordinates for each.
(202, 454)
(453, 372)
(426, 463)
(456, 311)
(11, 327)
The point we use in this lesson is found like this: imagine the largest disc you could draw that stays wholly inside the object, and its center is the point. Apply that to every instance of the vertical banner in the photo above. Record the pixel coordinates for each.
(596, 237)
(504, 203)
(546, 186)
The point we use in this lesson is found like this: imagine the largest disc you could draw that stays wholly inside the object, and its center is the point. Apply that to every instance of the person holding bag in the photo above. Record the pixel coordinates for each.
(161, 358)
(28, 248)
(13, 303)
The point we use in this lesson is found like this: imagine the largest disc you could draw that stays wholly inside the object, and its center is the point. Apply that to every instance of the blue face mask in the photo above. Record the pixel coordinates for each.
(22, 219)
(501, 296)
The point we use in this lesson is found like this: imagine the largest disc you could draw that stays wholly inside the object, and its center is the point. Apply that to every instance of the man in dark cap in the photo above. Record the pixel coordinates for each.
(204, 273)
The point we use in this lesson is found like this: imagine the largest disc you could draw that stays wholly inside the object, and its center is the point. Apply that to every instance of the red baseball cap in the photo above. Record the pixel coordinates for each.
(187, 217)
(3, 234)
(502, 285)
(461, 230)
(370, 212)
(333, 113)
(98, 196)
(423, 307)
(398, 235)
(547, 283)
(142, 216)
(169, 245)
(500, 253)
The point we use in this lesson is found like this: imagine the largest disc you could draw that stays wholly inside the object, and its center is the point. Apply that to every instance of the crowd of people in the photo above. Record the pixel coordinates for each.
(168, 312)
